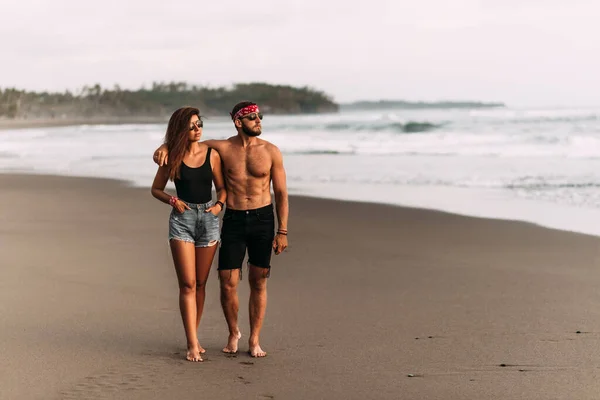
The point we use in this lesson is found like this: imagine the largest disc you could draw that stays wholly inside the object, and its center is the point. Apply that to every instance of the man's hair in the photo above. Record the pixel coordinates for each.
(241, 105)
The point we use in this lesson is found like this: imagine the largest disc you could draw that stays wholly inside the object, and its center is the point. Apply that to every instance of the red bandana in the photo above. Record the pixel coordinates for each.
(244, 111)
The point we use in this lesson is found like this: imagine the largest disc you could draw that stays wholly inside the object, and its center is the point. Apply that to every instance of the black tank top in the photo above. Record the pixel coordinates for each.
(195, 184)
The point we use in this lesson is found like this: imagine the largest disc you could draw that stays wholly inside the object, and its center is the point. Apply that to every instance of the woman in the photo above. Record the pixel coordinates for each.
(193, 224)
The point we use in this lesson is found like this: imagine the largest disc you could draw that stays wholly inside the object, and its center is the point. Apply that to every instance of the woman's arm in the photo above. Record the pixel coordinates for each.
(158, 186)
(219, 181)
(158, 190)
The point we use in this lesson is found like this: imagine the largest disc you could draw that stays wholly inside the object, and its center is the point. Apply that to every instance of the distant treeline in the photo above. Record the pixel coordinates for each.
(371, 105)
(160, 100)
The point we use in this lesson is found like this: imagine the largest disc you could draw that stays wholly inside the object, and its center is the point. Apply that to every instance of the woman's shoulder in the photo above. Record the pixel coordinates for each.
(205, 150)
(203, 146)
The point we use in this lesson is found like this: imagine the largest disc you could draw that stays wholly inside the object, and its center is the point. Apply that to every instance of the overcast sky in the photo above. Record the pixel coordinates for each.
(523, 52)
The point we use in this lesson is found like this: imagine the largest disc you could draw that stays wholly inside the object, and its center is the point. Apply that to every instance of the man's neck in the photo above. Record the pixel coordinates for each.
(246, 140)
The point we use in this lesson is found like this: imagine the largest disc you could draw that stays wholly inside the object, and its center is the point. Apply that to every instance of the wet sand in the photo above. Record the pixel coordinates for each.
(369, 302)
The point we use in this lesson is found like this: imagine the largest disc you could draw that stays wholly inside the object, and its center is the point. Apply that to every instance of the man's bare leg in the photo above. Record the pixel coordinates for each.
(257, 277)
(229, 280)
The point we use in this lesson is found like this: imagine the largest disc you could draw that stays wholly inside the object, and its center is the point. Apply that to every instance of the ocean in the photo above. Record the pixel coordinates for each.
(536, 165)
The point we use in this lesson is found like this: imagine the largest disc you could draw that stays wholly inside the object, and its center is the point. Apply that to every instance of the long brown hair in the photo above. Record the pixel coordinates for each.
(177, 138)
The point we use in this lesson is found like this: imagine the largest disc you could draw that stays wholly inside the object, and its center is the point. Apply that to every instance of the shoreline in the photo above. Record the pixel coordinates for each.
(491, 204)
(532, 212)
(103, 160)
(6, 124)
(542, 214)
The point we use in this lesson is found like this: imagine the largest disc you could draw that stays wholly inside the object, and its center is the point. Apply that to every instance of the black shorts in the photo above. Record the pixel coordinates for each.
(251, 229)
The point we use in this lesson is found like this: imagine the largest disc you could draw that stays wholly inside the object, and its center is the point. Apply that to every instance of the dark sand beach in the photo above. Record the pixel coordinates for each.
(369, 302)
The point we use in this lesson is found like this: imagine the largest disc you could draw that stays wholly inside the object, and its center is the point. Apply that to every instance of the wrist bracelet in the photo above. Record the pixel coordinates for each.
(173, 200)
(282, 233)
(220, 203)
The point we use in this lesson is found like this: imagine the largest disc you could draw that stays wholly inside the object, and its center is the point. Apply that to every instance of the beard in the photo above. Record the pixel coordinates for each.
(250, 132)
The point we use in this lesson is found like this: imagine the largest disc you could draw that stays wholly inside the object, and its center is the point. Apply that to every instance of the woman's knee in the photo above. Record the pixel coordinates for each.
(188, 287)
(200, 285)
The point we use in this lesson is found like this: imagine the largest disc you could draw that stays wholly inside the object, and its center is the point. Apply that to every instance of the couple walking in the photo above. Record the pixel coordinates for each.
(242, 168)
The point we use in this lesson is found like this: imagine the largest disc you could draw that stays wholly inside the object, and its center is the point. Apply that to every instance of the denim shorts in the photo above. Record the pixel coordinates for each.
(194, 225)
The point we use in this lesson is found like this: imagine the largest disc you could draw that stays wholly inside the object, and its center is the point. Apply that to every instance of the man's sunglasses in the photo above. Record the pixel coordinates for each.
(198, 124)
(253, 116)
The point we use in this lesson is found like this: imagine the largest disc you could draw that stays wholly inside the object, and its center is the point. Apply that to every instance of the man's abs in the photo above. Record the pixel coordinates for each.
(248, 194)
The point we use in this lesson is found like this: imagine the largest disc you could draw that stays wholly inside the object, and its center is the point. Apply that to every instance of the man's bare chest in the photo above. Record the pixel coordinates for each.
(247, 164)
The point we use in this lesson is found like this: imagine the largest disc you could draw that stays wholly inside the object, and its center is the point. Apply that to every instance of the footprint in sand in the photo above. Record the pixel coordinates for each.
(146, 374)
(243, 380)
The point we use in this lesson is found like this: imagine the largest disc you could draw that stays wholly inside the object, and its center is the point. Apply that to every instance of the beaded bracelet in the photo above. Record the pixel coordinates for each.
(173, 200)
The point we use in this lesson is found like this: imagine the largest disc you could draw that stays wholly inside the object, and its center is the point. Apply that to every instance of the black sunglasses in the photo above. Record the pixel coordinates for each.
(253, 116)
(198, 124)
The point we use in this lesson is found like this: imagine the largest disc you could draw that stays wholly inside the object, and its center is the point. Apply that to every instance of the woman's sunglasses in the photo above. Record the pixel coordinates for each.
(253, 116)
(198, 124)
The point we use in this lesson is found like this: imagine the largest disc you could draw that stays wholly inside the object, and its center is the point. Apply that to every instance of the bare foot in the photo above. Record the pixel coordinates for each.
(201, 349)
(232, 343)
(256, 351)
(193, 355)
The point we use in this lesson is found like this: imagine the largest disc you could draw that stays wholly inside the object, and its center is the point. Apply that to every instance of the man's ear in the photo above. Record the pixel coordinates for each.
(238, 123)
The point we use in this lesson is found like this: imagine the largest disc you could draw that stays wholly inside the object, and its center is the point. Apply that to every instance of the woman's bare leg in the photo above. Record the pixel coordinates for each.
(204, 259)
(184, 259)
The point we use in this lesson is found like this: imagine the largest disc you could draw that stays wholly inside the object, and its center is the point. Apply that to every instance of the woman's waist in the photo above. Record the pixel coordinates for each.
(199, 204)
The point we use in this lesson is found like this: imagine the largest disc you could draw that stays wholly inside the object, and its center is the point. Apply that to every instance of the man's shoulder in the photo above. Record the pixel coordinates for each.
(268, 145)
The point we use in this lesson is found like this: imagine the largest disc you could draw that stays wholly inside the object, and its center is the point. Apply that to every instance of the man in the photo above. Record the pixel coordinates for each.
(250, 165)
